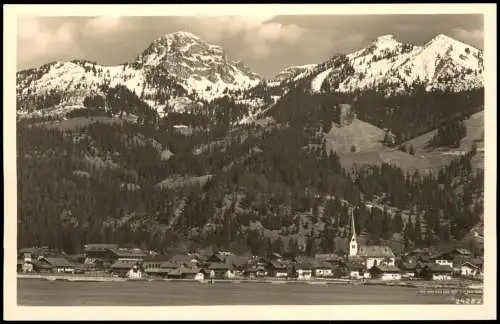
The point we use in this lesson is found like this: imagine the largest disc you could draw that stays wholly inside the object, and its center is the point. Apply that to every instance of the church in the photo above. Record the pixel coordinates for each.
(368, 255)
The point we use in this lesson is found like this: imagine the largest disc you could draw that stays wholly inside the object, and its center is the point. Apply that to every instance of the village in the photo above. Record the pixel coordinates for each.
(361, 262)
(373, 262)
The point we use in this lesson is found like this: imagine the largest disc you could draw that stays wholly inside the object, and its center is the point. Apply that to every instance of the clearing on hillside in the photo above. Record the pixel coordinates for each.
(364, 136)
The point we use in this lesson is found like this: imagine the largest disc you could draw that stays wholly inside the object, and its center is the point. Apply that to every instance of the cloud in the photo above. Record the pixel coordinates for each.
(37, 41)
(474, 36)
(256, 33)
(104, 26)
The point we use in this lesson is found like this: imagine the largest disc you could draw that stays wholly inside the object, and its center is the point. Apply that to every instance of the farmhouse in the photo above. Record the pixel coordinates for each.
(323, 269)
(277, 269)
(353, 270)
(153, 266)
(100, 253)
(385, 272)
(304, 270)
(127, 268)
(468, 269)
(60, 265)
(222, 270)
(436, 272)
(407, 269)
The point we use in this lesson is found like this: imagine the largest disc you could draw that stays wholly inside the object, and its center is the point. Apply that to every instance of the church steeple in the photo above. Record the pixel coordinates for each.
(353, 245)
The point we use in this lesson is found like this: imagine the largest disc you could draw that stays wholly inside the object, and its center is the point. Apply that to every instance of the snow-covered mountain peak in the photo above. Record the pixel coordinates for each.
(175, 65)
(441, 63)
(386, 40)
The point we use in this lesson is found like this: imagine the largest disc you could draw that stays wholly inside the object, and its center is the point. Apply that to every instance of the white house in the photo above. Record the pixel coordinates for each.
(304, 271)
(441, 272)
(444, 262)
(375, 255)
(385, 272)
(134, 273)
(467, 269)
(323, 270)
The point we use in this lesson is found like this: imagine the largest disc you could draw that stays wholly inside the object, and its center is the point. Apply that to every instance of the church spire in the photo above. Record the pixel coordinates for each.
(353, 227)
(353, 246)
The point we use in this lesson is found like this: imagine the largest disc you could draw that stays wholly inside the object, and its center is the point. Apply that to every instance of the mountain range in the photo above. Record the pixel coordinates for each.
(180, 69)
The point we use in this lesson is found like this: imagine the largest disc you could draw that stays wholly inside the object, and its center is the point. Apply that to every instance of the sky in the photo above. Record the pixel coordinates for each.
(266, 44)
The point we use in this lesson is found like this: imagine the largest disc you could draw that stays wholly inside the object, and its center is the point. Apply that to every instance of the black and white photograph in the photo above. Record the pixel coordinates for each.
(251, 158)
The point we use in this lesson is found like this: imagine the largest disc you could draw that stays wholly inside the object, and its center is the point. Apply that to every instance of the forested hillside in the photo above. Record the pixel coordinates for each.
(257, 188)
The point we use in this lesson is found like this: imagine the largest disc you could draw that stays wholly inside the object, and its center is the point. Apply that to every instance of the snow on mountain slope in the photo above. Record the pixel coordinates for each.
(200, 66)
(291, 73)
(441, 63)
(317, 82)
(175, 65)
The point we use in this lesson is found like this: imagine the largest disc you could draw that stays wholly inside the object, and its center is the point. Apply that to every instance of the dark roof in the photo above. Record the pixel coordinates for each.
(169, 265)
(477, 261)
(100, 247)
(181, 258)
(237, 261)
(175, 272)
(28, 250)
(387, 268)
(135, 253)
(277, 265)
(218, 266)
(375, 251)
(156, 258)
(42, 265)
(408, 266)
(463, 251)
(323, 265)
(470, 265)
(123, 264)
(441, 268)
(305, 265)
(327, 257)
(59, 262)
(190, 270)
(354, 266)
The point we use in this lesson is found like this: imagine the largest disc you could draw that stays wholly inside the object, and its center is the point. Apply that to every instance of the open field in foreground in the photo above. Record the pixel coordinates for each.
(32, 292)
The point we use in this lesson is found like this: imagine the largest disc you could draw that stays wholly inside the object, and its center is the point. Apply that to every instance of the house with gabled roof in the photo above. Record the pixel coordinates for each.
(127, 268)
(408, 269)
(433, 271)
(183, 272)
(53, 264)
(152, 266)
(221, 270)
(185, 259)
(100, 253)
(353, 270)
(277, 269)
(328, 257)
(467, 269)
(323, 269)
(304, 267)
(385, 272)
